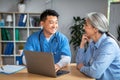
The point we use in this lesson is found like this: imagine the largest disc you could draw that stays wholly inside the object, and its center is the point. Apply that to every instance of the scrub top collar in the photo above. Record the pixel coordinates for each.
(52, 37)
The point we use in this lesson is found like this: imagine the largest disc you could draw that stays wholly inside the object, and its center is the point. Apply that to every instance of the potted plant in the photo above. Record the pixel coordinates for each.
(21, 1)
(21, 6)
(118, 32)
(77, 31)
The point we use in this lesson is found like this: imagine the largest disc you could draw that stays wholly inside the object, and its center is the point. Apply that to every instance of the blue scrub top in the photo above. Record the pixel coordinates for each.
(58, 44)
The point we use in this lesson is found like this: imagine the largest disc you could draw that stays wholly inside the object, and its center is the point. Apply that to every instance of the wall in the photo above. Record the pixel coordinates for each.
(114, 17)
(66, 8)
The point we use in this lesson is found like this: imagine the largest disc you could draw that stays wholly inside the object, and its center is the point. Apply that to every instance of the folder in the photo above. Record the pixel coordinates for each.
(9, 48)
(7, 33)
(3, 34)
(10, 69)
(22, 20)
(17, 36)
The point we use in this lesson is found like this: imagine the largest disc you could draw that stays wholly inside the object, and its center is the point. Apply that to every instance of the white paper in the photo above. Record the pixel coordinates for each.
(10, 69)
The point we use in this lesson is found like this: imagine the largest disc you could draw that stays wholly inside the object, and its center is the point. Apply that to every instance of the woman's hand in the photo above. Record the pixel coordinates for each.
(79, 66)
(84, 40)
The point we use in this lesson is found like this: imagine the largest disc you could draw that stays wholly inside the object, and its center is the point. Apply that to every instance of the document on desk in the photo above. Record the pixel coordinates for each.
(10, 69)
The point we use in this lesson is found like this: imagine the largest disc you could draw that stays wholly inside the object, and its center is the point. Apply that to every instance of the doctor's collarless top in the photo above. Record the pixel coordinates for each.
(58, 45)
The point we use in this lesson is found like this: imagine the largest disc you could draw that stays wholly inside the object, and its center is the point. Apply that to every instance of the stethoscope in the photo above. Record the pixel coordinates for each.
(54, 39)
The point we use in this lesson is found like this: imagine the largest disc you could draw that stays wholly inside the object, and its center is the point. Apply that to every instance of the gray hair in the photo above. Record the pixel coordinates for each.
(99, 21)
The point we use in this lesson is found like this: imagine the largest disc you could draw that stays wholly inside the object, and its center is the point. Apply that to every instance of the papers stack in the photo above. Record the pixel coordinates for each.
(10, 69)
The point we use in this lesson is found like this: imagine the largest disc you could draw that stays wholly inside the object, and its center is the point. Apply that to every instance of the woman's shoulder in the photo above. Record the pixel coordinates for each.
(110, 42)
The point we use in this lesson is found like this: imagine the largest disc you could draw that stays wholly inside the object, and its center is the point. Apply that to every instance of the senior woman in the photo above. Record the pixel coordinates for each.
(101, 60)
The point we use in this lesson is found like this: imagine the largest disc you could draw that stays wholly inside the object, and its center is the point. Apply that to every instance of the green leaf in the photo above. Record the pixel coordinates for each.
(77, 31)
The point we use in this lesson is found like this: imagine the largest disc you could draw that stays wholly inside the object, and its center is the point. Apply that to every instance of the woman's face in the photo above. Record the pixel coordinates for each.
(89, 29)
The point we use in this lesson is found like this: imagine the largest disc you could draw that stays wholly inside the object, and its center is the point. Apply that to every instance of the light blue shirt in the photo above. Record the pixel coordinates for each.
(101, 60)
(58, 44)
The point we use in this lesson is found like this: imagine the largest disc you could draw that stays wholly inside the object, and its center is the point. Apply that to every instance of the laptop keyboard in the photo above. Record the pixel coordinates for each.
(61, 72)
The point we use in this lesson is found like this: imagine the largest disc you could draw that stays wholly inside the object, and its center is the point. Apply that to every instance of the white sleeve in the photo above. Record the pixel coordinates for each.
(24, 60)
(65, 60)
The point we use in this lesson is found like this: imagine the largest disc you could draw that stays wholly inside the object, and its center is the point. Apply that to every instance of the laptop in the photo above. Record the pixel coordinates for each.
(42, 63)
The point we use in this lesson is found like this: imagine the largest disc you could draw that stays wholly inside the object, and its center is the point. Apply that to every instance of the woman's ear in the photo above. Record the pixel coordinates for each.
(96, 30)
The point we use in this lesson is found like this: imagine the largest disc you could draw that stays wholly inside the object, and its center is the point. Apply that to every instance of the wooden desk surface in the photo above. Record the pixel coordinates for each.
(24, 75)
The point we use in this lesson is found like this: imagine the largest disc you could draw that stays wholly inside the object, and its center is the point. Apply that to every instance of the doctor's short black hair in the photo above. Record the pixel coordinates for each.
(48, 12)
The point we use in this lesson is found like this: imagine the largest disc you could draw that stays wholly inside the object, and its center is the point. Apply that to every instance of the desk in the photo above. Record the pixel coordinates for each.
(24, 75)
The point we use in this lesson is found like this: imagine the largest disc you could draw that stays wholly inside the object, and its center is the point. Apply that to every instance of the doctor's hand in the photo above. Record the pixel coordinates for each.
(57, 67)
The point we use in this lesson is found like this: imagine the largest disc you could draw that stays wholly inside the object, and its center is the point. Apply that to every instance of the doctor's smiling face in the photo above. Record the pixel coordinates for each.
(50, 25)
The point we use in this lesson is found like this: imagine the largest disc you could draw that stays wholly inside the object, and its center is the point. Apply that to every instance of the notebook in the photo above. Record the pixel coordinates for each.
(42, 63)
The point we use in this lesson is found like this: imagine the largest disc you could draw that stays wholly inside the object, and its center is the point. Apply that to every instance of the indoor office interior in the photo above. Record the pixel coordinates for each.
(16, 35)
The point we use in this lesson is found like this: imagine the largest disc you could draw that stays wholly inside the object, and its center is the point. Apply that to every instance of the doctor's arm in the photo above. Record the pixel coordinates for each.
(64, 61)
(65, 54)
(28, 46)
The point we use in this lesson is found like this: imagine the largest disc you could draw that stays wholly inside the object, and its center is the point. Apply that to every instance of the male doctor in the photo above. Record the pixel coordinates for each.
(49, 40)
